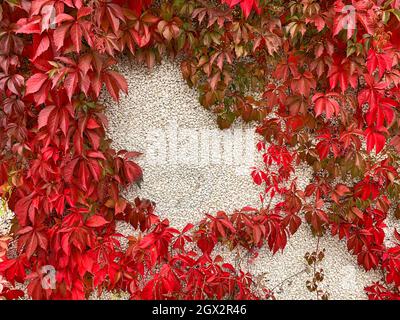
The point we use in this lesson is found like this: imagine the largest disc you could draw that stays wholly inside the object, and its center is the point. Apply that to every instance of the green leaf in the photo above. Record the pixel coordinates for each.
(350, 50)
(181, 40)
(386, 17)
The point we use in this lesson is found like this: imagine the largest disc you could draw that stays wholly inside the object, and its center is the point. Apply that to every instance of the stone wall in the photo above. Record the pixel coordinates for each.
(191, 167)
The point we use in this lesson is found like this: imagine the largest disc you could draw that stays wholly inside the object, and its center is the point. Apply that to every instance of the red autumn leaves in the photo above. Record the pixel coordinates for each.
(245, 5)
(326, 103)
(327, 88)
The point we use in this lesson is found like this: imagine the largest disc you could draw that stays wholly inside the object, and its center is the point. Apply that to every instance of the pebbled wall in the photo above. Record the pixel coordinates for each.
(191, 167)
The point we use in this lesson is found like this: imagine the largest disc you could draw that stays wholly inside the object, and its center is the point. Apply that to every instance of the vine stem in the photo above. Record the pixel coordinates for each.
(287, 279)
(315, 262)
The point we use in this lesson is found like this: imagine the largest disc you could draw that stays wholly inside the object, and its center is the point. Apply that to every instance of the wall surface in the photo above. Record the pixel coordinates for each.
(191, 167)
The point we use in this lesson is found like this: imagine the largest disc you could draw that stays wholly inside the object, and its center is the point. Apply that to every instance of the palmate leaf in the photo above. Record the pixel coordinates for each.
(35, 83)
(327, 103)
(245, 5)
(115, 83)
(303, 83)
(96, 221)
(375, 138)
(381, 61)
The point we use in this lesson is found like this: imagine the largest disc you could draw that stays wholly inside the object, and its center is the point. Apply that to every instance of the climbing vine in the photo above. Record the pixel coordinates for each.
(328, 73)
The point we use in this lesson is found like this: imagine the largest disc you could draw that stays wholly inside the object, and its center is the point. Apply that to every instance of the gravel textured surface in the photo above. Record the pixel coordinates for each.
(5, 219)
(162, 118)
(190, 166)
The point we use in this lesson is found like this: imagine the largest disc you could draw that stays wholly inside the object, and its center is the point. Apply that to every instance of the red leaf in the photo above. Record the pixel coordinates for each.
(133, 171)
(326, 103)
(42, 47)
(69, 169)
(70, 84)
(246, 5)
(59, 35)
(31, 245)
(396, 234)
(83, 12)
(30, 27)
(21, 209)
(138, 5)
(357, 212)
(342, 72)
(96, 221)
(114, 83)
(375, 138)
(382, 61)
(76, 36)
(35, 82)
(95, 154)
(44, 116)
(13, 294)
(303, 83)
(188, 227)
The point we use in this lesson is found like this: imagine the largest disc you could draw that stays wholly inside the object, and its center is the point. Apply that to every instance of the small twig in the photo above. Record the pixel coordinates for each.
(315, 262)
(288, 278)
(269, 203)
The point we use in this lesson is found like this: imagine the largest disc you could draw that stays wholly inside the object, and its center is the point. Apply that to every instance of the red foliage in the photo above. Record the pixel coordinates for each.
(331, 82)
